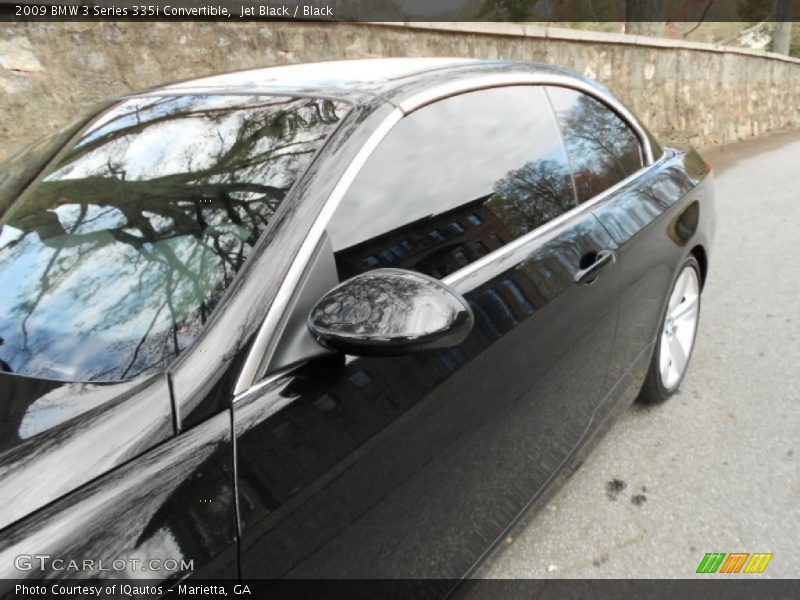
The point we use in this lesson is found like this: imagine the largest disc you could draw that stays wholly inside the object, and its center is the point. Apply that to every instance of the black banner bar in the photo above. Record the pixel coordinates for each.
(544, 11)
(734, 587)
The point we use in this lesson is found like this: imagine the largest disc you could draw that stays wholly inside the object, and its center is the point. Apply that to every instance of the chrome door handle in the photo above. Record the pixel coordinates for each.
(589, 274)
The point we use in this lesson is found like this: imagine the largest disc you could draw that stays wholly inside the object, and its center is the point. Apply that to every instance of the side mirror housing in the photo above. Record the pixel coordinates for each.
(389, 312)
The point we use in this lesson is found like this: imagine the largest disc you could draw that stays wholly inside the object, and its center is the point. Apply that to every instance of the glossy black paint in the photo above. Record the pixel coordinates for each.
(153, 507)
(390, 312)
(411, 466)
(57, 436)
(359, 466)
(642, 220)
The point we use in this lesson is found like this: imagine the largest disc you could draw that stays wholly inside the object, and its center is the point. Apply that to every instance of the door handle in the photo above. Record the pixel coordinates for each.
(589, 274)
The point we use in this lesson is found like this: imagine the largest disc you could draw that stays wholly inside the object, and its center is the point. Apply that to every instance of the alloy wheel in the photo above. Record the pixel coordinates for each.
(680, 324)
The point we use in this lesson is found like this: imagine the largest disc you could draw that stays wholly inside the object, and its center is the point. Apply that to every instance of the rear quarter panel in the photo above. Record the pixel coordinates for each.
(657, 221)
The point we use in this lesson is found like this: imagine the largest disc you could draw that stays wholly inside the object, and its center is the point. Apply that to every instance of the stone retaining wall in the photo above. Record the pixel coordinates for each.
(697, 93)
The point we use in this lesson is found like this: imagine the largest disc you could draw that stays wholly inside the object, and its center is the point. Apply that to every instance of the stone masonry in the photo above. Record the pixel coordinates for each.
(685, 92)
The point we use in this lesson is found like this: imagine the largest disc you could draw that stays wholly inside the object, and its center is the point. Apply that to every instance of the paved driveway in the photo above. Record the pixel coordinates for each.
(717, 468)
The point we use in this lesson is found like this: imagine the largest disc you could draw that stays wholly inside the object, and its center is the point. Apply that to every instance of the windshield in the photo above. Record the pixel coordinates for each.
(111, 264)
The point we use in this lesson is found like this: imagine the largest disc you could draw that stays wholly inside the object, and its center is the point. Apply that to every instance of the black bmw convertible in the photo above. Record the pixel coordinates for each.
(334, 320)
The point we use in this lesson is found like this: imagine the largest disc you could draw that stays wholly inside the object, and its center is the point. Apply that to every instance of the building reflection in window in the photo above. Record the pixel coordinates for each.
(453, 181)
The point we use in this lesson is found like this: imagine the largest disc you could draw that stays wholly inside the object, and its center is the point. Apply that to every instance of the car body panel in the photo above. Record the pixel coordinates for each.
(59, 436)
(643, 220)
(176, 502)
(411, 466)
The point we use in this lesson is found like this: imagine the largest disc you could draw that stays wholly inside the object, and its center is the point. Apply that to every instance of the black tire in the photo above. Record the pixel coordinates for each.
(653, 390)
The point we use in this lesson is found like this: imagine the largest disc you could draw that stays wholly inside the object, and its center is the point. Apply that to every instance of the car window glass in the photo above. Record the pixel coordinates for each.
(602, 148)
(17, 172)
(454, 181)
(113, 262)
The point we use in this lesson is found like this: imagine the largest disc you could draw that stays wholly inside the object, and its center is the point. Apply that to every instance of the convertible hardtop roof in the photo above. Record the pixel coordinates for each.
(359, 80)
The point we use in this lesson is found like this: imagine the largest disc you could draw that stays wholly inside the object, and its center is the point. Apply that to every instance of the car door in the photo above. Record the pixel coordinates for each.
(412, 466)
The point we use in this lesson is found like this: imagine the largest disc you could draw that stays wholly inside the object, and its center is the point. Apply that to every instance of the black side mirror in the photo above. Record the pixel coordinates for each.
(388, 312)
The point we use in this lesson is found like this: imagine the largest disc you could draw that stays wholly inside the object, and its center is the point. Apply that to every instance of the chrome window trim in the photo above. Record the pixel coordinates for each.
(452, 88)
(253, 91)
(517, 249)
(264, 343)
(262, 384)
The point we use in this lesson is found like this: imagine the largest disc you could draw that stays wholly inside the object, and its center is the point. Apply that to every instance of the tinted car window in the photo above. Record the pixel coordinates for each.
(113, 262)
(453, 181)
(601, 147)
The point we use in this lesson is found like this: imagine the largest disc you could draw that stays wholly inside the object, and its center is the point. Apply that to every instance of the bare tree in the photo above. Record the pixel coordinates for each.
(645, 17)
(782, 36)
(528, 197)
(144, 240)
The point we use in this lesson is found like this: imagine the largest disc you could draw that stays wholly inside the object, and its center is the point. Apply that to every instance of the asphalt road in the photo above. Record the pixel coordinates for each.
(717, 468)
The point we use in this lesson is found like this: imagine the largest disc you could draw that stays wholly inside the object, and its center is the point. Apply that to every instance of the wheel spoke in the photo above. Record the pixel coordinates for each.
(678, 291)
(683, 309)
(680, 323)
(665, 361)
(678, 354)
